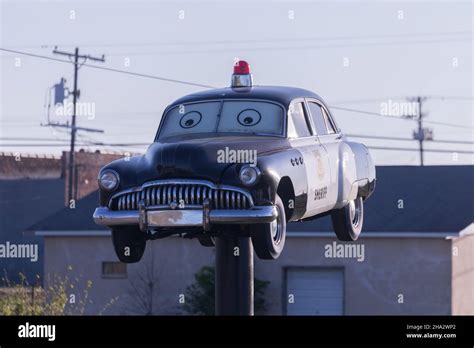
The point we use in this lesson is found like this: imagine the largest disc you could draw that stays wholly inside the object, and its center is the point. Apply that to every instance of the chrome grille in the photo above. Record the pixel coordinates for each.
(191, 193)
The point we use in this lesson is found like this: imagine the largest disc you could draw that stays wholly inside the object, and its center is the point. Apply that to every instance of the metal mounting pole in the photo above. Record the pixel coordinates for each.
(234, 275)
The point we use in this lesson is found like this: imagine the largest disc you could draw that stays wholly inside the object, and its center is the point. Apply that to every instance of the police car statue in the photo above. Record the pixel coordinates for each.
(245, 159)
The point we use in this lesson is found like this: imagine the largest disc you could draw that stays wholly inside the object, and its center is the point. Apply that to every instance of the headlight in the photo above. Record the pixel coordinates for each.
(249, 175)
(109, 179)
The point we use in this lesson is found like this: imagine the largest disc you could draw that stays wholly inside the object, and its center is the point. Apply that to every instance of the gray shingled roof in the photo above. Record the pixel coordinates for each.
(67, 219)
(435, 199)
(22, 202)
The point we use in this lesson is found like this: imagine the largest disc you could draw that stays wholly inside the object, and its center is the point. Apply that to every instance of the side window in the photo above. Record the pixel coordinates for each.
(329, 122)
(300, 121)
(318, 118)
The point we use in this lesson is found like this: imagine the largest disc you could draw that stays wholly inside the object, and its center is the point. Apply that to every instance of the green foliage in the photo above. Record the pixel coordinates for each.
(59, 297)
(200, 294)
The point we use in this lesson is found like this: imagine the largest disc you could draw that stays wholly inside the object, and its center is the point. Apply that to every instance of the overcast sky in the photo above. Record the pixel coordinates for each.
(365, 52)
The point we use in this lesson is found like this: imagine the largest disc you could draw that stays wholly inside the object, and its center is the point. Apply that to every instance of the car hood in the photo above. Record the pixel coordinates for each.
(207, 157)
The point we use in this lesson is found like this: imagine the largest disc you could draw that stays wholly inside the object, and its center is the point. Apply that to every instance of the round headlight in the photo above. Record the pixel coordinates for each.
(249, 175)
(109, 180)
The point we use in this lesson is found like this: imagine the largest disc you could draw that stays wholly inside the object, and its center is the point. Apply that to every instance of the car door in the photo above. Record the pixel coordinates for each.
(302, 136)
(330, 139)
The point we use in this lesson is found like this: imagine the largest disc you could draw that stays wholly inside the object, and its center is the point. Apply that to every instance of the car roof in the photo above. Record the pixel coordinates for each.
(280, 94)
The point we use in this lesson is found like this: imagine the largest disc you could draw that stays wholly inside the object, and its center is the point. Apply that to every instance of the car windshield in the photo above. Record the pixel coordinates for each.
(228, 116)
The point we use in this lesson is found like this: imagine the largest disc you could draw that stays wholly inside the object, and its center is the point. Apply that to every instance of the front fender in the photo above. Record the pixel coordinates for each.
(127, 169)
(279, 165)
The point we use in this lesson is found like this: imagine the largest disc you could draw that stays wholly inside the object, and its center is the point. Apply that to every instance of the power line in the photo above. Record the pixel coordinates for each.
(30, 139)
(396, 118)
(208, 86)
(277, 48)
(97, 142)
(363, 136)
(370, 100)
(273, 48)
(67, 144)
(108, 69)
(446, 141)
(219, 42)
(146, 144)
(452, 141)
(450, 97)
(425, 150)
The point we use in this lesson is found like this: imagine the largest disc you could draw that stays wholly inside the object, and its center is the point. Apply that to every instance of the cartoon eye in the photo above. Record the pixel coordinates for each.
(190, 119)
(249, 117)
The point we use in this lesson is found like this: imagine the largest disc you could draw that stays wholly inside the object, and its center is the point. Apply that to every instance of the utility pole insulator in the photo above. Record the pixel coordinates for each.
(428, 134)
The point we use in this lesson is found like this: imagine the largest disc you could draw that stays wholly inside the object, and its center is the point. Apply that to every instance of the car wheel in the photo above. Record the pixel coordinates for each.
(347, 221)
(269, 239)
(206, 241)
(129, 243)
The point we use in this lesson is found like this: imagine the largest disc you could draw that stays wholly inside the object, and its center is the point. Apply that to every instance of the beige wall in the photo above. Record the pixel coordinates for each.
(463, 276)
(170, 265)
(417, 268)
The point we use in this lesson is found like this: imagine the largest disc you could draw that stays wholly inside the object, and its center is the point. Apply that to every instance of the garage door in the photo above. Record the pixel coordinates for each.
(315, 291)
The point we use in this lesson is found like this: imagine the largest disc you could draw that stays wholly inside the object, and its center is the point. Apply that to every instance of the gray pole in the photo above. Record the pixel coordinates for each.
(73, 122)
(234, 276)
(73, 129)
(421, 135)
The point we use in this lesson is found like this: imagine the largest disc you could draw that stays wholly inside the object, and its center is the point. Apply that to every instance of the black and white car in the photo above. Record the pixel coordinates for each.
(246, 159)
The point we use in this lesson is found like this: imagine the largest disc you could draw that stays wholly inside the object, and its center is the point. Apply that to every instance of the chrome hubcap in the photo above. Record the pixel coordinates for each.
(355, 211)
(275, 228)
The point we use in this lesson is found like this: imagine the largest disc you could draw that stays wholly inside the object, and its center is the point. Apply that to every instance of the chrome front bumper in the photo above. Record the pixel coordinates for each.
(152, 218)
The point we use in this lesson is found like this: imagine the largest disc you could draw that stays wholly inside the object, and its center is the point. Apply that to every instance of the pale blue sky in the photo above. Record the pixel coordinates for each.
(301, 44)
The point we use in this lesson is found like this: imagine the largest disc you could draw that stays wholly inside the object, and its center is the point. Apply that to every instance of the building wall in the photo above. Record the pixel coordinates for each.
(419, 269)
(21, 166)
(87, 166)
(169, 265)
(463, 276)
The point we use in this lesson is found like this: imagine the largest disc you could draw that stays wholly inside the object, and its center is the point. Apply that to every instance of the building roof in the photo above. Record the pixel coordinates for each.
(406, 199)
(414, 199)
(281, 94)
(77, 219)
(22, 202)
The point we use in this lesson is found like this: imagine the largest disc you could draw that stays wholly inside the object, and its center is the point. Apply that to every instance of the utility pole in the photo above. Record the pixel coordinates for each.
(420, 129)
(75, 94)
(421, 134)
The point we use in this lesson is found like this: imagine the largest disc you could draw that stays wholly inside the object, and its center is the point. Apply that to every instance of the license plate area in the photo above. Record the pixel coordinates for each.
(166, 218)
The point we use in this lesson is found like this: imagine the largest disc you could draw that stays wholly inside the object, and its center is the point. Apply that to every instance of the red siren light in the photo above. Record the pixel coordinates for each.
(241, 67)
(241, 76)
